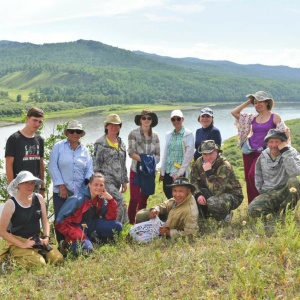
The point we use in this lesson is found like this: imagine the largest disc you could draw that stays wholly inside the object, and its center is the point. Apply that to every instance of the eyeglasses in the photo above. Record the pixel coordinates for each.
(72, 131)
(146, 118)
(178, 119)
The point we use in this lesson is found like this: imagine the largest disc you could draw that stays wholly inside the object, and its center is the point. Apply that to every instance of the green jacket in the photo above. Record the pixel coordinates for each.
(217, 181)
(182, 218)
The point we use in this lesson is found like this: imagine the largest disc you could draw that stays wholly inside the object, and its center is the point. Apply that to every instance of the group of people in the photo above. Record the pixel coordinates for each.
(198, 182)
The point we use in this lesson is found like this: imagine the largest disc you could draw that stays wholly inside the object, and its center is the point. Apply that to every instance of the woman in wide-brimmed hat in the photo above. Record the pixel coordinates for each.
(144, 149)
(110, 159)
(23, 211)
(70, 164)
(252, 129)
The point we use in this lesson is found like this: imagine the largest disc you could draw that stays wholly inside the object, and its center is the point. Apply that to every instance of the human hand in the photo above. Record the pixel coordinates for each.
(153, 213)
(201, 200)
(175, 177)
(282, 145)
(124, 187)
(106, 195)
(63, 192)
(206, 166)
(45, 241)
(29, 243)
(161, 178)
(164, 230)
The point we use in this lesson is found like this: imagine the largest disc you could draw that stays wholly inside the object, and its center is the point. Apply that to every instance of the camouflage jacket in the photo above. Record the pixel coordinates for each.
(110, 161)
(219, 180)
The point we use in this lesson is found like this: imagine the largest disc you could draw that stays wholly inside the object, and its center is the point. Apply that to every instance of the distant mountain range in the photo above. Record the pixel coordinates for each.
(88, 73)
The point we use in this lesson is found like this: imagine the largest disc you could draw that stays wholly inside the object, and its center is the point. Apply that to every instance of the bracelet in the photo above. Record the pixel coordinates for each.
(46, 236)
(42, 189)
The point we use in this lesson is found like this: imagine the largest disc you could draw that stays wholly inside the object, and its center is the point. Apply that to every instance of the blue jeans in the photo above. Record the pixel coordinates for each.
(104, 228)
(83, 247)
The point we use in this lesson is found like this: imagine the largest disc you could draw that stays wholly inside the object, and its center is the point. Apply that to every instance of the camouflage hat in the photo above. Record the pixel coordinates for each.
(208, 146)
(182, 181)
(276, 134)
(206, 111)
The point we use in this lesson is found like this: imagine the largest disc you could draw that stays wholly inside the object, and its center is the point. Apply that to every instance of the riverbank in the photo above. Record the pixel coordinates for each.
(109, 109)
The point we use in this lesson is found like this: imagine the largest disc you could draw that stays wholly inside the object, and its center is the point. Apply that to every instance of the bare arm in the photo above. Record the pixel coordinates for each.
(7, 213)
(9, 161)
(42, 170)
(45, 221)
(236, 112)
(135, 157)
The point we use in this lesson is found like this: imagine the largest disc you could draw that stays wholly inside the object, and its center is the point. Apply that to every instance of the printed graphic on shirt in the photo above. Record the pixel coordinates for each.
(32, 152)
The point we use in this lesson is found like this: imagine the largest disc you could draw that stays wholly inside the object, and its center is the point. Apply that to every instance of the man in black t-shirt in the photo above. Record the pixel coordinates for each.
(25, 150)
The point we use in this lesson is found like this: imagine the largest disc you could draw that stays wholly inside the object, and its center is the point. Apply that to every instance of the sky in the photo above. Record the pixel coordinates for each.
(242, 31)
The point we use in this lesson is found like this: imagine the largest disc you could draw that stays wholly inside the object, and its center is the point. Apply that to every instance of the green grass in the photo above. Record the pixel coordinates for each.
(226, 261)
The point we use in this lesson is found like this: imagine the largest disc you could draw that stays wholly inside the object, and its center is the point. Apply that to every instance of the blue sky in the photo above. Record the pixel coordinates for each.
(245, 32)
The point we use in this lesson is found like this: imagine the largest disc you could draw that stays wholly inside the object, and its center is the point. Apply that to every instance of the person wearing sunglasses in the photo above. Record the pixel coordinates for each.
(69, 165)
(144, 150)
(178, 153)
(207, 132)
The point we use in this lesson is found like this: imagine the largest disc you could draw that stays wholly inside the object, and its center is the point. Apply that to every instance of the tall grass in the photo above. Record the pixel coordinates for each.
(225, 261)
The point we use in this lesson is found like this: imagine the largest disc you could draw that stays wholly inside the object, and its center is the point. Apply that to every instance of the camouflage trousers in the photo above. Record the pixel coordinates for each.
(276, 200)
(218, 207)
(122, 206)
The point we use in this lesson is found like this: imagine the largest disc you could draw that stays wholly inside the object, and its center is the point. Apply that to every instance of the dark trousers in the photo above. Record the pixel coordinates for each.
(249, 169)
(137, 200)
(57, 205)
(167, 190)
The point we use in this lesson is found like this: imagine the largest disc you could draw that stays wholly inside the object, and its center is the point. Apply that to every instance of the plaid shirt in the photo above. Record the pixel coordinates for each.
(137, 143)
(175, 150)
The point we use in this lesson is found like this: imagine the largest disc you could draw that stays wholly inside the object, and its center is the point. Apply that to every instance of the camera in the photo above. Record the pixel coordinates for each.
(39, 244)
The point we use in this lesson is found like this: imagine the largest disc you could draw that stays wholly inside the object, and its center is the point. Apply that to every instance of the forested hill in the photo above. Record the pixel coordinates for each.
(88, 73)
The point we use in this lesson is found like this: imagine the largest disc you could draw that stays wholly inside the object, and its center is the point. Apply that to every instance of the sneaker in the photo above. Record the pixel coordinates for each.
(228, 218)
(3, 267)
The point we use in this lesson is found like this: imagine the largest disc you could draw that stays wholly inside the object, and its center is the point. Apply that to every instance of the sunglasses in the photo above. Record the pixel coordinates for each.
(72, 131)
(146, 118)
(178, 119)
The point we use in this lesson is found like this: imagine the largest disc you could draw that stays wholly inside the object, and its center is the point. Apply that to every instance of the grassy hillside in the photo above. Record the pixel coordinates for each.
(234, 262)
(82, 74)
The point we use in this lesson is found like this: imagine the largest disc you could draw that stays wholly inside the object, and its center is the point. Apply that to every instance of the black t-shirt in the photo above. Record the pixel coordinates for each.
(27, 153)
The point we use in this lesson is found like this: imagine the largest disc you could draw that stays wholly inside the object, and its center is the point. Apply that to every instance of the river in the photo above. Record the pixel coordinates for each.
(93, 123)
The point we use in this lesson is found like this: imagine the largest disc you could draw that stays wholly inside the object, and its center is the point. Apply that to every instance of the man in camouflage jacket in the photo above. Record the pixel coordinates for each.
(218, 191)
(276, 174)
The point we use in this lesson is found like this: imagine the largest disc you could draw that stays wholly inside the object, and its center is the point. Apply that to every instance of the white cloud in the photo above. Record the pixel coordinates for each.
(162, 18)
(35, 11)
(272, 57)
(187, 9)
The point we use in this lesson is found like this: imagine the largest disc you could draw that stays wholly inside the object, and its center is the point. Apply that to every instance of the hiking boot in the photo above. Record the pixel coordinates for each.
(63, 247)
(228, 218)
